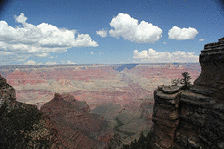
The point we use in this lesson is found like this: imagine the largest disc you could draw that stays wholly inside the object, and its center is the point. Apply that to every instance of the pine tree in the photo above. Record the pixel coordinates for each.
(185, 81)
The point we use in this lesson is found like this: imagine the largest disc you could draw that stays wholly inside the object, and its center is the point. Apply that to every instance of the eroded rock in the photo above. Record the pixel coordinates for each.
(76, 126)
(195, 116)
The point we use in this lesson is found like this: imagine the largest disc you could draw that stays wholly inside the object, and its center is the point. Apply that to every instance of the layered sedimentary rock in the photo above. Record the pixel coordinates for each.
(193, 118)
(76, 127)
(212, 65)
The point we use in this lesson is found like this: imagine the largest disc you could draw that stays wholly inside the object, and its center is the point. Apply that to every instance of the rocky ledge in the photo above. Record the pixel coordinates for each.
(193, 118)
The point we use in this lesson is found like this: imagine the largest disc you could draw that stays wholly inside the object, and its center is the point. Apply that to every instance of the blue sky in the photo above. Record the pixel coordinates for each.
(107, 32)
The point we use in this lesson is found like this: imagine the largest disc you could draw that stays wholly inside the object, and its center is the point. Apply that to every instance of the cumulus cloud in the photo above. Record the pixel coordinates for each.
(129, 28)
(201, 39)
(50, 63)
(30, 62)
(152, 56)
(102, 33)
(84, 40)
(40, 40)
(182, 34)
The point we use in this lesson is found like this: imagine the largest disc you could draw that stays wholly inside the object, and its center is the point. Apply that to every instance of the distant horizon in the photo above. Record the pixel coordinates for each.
(175, 63)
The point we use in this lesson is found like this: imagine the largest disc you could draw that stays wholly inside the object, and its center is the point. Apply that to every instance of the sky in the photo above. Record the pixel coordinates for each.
(48, 32)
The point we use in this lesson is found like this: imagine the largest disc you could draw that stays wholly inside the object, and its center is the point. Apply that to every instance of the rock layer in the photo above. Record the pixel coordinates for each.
(76, 127)
(212, 68)
(193, 118)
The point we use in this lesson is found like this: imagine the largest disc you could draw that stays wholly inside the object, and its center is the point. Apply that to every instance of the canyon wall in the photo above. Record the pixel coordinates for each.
(193, 118)
(76, 127)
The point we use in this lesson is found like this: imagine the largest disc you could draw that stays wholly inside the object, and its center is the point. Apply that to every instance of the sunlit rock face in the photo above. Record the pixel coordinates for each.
(193, 118)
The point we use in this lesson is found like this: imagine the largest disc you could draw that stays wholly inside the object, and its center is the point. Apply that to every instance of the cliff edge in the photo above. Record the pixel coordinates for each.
(193, 118)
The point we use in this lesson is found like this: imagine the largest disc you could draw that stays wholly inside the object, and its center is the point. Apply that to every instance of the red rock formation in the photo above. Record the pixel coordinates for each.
(76, 127)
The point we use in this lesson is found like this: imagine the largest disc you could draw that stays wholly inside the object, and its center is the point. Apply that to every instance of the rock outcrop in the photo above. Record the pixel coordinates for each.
(7, 92)
(193, 118)
(77, 127)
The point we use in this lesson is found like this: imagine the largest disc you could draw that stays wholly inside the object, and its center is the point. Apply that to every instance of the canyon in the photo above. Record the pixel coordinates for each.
(95, 84)
(102, 103)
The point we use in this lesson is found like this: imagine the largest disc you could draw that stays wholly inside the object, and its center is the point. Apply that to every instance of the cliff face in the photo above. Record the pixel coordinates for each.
(76, 127)
(193, 118)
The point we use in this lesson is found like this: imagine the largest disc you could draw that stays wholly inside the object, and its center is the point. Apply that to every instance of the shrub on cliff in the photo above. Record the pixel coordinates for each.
(23, 127)
(185, 82)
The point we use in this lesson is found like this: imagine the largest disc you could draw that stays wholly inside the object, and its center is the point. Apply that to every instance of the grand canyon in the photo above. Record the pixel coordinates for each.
(112, 106)
(109, 102)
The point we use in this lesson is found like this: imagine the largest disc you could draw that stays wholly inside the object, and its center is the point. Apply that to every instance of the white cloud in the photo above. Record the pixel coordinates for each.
(102, 33)
(67, 62)
(201, 39)
(40, 40)
(9, 58)
(129, 28)
(164, 42)
(182, 34)
(50, 63)
(91, 52)
(84, 40)
(30, 62)
(70, 62)
(42, 54)
(21, 18)
(152, 56)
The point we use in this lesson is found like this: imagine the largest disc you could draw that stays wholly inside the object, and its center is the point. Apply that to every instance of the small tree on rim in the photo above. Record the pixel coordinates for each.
(185, 81)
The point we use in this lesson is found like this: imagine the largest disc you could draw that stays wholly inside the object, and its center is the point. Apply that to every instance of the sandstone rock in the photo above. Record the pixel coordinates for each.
(165, 116)
(199, 110)
(169, 89)
(165, 113)
(202, 90)
(167, 99)
(212, 65)
(164, 136)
